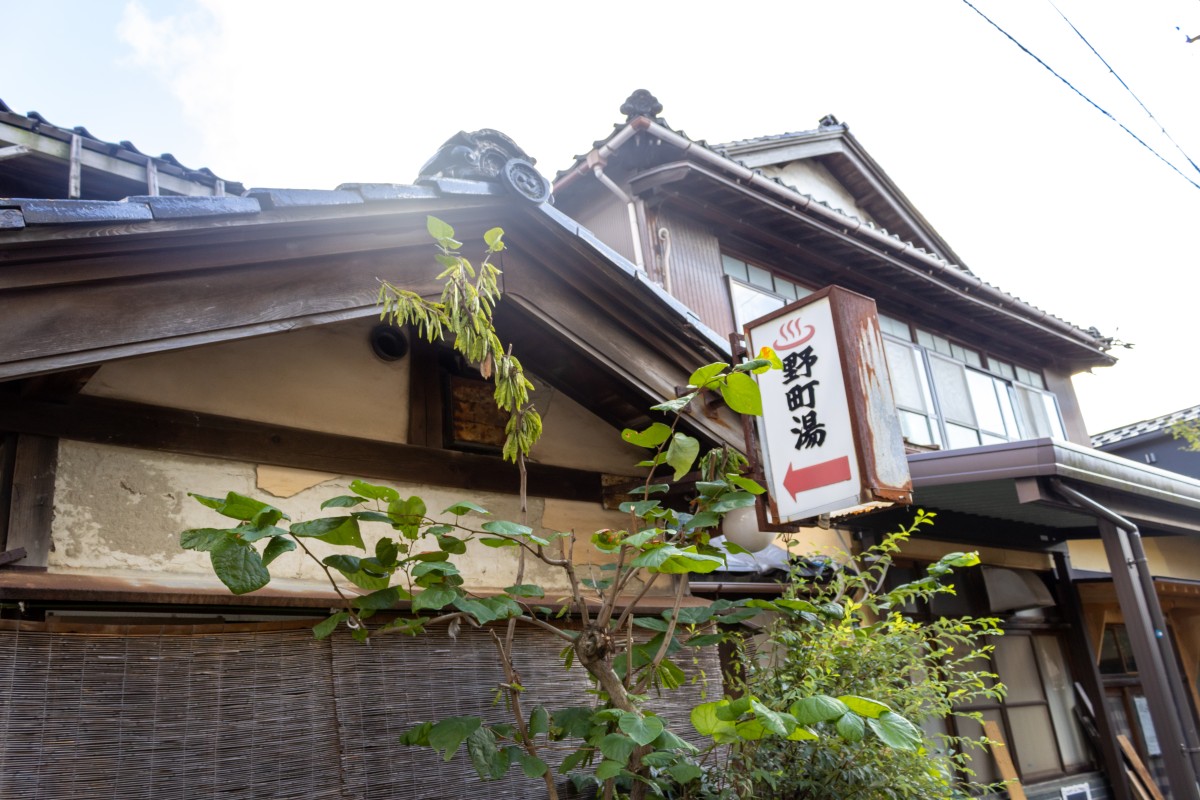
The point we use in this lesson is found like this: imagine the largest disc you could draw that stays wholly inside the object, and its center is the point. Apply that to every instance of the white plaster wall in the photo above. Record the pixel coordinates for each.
(327, 379)
(1168, 556)
(323, 378)
(121, 510)
(813, 179)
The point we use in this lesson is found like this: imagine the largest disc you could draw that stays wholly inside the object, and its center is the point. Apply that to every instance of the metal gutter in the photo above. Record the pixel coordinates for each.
(1054, 458)
(932, 264)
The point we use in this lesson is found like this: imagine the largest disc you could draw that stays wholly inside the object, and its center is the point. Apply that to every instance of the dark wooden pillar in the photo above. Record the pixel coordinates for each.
(1086, 672)
(31, 502)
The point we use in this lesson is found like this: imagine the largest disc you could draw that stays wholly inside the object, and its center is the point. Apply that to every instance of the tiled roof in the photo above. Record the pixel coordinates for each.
(831, 124)
(1100, 440)
(166, 164)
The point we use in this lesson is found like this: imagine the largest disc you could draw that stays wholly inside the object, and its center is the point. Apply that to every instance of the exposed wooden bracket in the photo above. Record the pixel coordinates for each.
(14, 151)
(9, 556)
(32, 505)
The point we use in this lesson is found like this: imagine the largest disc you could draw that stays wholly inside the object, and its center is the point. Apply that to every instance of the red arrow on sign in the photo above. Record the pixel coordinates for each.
(824, 474)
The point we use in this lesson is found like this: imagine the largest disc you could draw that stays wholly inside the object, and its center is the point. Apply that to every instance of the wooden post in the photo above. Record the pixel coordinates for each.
(32, 505)
(75, 173)
(151, 177)
(1004, 762)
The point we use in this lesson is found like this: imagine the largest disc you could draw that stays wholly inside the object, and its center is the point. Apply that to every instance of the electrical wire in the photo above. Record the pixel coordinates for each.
(1089, 100)
(1124, 84)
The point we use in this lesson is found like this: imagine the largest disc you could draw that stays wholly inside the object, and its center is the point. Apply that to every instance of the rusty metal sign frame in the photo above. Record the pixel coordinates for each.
(875, 426)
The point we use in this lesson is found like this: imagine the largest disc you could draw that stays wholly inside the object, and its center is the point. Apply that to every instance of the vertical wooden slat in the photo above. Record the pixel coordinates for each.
(75, 175)
(8, 445)
(31, 508)
(151, 177)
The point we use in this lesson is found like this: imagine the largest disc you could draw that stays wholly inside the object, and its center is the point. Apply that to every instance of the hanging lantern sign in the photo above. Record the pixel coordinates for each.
(829, 433)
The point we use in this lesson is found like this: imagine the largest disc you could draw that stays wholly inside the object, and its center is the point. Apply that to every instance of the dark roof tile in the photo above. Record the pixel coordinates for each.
(59, 212)
(172, 207)
(291, 198)
(373, 192)
(11, 219)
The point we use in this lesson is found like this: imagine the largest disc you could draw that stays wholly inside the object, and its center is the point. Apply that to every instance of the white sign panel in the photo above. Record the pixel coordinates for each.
(807, 441)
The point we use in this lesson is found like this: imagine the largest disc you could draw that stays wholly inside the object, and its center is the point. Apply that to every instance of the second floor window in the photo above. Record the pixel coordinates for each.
(948, 395)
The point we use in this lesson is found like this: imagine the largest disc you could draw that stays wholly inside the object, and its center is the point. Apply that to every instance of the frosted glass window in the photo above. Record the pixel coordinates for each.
(785, 288)
(1039, 414)
(1033, 740)
(1018, 670)
(894, 327)
(987, 402)
(735, 268)
(760, 277)
(950, 381)
(750, 303)
(1056, 680)
(1002, 368)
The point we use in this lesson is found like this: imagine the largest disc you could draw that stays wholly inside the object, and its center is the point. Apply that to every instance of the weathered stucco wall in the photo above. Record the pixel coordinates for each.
(1168, 556)
(327, 379)
(120, 509)
(813, 179)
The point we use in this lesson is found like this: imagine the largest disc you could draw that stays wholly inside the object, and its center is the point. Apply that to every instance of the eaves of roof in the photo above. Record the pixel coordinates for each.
(39, 135)
(1009, 482)
(834, 145)
(1088, 346)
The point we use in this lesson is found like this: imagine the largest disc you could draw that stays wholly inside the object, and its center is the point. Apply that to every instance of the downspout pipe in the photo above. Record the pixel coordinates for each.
(611, 185)
(1165, 689)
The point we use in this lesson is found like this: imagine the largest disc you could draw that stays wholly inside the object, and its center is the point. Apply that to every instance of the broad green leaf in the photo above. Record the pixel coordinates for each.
(373, 491)
(675, 405)
(741, 394)
(343, 563)
(407, 516)
(505, 527)
(343, 501)
(684, 772)
(802, 735)
(250, 532)
(239, 567)
(682, 453)
(735, 548)
(574, 760)
(642, 729)
(705, 519)
(437, 229)
(451, 545)
(386, 551)
(731, 501)
(675, 561)
(491, 542)
(532, 766)
(609, 769)
(239, 507)
(494, 239)
(669, 741)
(769, 355)
(751, 729)
(322, 629)
(864, 705)
(654, 488)
(703, 375)
(651, 623)
(204, 539)
(895, 731)
(417, 736)
(277, 547)
(539, 721)
(659, 759)
(705, 639)
(651, 437)
(617, 747)
(850, 727)
(364, 581)
(490, 762)
(331, 530)
(434, 598)
(482, 612)
(464, 507)
(746, 484)
(819, 708)
(732, 709)
(371, 516)
(574, 721)
(706, 721)
(639, 508)
(382, 599)
(772, 721)
(526, 590)
(448, 734)
(639, 539)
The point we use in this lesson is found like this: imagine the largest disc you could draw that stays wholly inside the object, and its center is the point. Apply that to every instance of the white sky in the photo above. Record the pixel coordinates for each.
(1038, 192)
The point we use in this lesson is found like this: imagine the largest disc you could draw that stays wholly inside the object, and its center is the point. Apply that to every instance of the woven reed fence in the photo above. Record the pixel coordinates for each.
(263, 713)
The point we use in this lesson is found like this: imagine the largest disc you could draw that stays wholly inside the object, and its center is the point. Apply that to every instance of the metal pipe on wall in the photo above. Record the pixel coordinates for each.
(1165, 691)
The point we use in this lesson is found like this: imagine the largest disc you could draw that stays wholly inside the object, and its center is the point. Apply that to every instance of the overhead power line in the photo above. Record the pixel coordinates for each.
(1089, 100)
(1124, 84)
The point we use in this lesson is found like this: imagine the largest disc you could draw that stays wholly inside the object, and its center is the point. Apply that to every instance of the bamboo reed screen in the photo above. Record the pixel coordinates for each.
(264, 713)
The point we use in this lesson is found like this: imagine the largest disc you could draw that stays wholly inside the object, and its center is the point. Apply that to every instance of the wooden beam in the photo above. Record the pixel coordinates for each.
(1139, 768)
(1004, 762)
(174, 431)
(31, 509)
(75, 168)
(13, 151)
(8, 450)
(9, 556)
